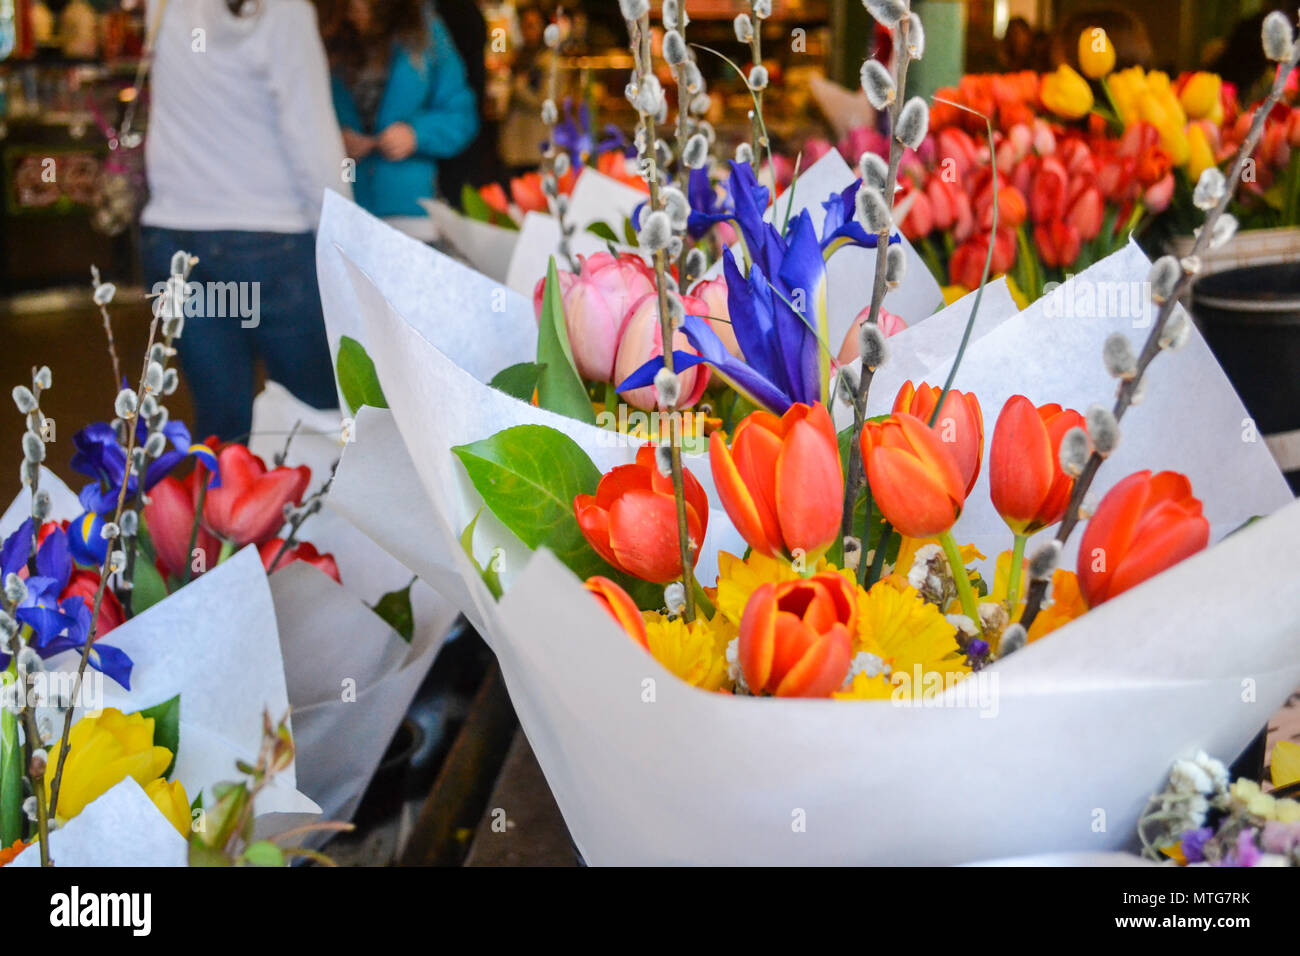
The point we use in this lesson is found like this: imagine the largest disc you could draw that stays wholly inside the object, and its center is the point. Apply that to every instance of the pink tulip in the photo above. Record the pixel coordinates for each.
(596, 304)
(642, 340)
(713, 293)
(1086, 213)
(890, 324)
(1159, 194)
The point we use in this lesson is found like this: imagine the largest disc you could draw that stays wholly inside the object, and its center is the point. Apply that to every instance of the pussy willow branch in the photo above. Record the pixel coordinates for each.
(641, 50)
(108, 333)
(683, 134)
(756, 120)
(548, 158)
(856, 476)
(103, 572)
(1129, 387)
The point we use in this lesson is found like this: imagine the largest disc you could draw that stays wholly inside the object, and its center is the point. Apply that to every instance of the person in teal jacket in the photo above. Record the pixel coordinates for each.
(401, 96)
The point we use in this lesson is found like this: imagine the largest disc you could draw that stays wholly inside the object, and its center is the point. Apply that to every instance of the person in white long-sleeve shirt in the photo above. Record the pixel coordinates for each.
(242, 142)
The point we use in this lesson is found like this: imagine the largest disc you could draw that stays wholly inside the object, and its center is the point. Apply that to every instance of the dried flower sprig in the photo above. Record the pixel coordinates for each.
(1214, 195)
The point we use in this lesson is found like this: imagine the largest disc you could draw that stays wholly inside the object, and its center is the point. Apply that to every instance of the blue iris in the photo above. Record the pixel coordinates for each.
(56, 625)
(578, 140)
(101, 456)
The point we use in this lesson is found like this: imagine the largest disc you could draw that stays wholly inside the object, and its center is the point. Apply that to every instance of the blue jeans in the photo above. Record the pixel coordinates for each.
(256, 297)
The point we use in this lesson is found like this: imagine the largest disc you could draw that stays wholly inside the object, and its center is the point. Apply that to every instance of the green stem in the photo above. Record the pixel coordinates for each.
(611, 402)
(194, 528)
(1013, 582)
(702, 603)
(227, 549)
(878, 563)
(965, 592)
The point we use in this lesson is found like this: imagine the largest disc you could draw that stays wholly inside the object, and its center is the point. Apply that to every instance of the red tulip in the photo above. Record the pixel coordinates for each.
(1145, 524)
(1159, 194)
(1028, 487)
(526, 191)
(913, 475)
(966, 266)
(85, 584)
(631, 521)
(1058, 243)
(960, 425)
(620, 606)
(1086, 213)
(301, 551)
(919, 220)
(495, 197)
(780, 482)
(169, 516)
(796, 636)
(1047, 195)
(248, 506)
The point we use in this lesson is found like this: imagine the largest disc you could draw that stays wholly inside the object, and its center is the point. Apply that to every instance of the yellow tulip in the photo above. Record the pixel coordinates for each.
(1201, 95)
(1066, 93)
(1126, 88)
(1096, 53)
(104, 751)
(172, 801)
(1200, 155)
(951, 293)
(1155, 110)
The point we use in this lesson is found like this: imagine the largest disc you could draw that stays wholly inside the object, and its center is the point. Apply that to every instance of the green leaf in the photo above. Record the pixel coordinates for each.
(604, 230)
(488, 574)
(358, 380)
(395, 608)
(559, 387)
(518, 381)
(473, 205)
(148, 585)
(263, 853)
(166, 727)
(11, 775)
(629, 233)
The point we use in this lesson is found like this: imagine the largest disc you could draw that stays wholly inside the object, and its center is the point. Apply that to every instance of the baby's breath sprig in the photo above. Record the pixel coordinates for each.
(1213, 194)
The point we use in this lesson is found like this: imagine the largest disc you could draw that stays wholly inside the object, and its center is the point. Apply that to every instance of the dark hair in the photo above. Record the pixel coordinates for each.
(243, 8)
(395, 21)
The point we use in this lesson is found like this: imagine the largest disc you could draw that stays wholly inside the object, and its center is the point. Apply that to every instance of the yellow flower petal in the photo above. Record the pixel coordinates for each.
(1285, 765)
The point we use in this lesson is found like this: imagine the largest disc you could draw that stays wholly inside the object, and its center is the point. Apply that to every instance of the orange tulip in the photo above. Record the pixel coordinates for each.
(780, 482)
(1028, 487)
(1145, 524)
(914, 478)
(620, 606)
(960, 425)
(796, 636)
(631, 520)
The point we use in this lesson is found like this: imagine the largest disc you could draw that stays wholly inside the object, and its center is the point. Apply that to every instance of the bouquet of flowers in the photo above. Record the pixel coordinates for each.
(798, 560)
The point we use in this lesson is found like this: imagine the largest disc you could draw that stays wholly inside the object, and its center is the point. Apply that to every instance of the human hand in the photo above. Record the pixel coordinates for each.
(397, 142)
(356, 145)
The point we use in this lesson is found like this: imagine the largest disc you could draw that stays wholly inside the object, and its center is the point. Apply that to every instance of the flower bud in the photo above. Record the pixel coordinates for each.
(696, 152)
(634, 9)
(878, 84)
(874, 171)
(1163, 278)
(15, 589)
(675, 597)
(42, 505)
(24, 399)
(171, 381)
(1103, 429)
(104, 293)
(130, 523)
(1209, 188)
(744, 153)
(126, 403)
(913, 122)
(153, 377)
(1044, 561)
(700, 104)
(696, 263)
(674, 48)
(744, 28)
(692, 78)
(886, 12)
(669, 387)
(1075, 449)
(758, 78)
(550, 115)
(33, 447)
(1277, 35)
(1117, 354)
(155, 445)
(846, 385)
(664, 459)
(1177, 330)
(28, 472)
(1012, 640)
(180, 263)
(895, 266)
(871, 345)
(852, 552)
(551, 36)
(676, 206)
(873, 211)
(43, 378)
(915, 37)
(655, 231)
(109, 530)
(672, 13)
(762, 8)
(1225, 227)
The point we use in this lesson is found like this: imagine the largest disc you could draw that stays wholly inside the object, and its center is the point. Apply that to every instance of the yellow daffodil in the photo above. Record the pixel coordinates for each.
(903, 630)
(1066, 93)
(103, 751)
(172, 802)
(1096, 53)
(738, 578)
(951, 293)
(864, 687)
(1021, 300)
(1064, 600)
(1285, 765)
(696, 652)
(1200, 95)
(1200, 155)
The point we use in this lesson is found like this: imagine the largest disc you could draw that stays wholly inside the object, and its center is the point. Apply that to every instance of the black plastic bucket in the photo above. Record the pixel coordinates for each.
(1251, 319)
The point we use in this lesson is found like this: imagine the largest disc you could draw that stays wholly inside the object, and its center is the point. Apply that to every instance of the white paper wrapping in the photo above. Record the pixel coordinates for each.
(121, 828)
(350, 676)
(486, 247)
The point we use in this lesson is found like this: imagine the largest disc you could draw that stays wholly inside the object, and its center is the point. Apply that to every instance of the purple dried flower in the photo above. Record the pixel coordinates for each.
(1193, 845)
